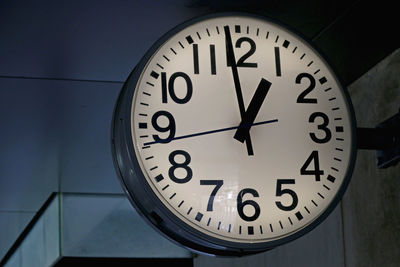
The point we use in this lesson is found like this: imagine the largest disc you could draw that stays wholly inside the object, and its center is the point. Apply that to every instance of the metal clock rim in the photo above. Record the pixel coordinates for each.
(177, 230)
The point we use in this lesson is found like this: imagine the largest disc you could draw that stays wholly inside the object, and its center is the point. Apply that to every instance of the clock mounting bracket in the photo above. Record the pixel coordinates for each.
(384, 138)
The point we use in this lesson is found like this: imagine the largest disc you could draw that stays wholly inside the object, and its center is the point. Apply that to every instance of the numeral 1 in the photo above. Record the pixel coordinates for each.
(278, 62)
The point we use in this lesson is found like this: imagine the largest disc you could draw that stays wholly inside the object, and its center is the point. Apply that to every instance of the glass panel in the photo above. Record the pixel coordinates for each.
(108, 226)
(40, 247)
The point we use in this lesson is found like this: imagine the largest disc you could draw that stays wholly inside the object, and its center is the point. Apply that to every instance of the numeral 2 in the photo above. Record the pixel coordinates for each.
(302, 97)
(241, 60)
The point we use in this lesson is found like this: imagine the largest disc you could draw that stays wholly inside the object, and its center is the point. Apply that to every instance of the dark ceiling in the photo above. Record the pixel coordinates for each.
(354, 35)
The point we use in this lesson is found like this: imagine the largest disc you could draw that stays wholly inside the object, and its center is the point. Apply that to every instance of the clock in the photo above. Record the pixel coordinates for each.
(233, 135)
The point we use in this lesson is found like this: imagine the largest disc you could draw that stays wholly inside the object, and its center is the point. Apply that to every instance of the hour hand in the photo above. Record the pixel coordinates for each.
(252, 110)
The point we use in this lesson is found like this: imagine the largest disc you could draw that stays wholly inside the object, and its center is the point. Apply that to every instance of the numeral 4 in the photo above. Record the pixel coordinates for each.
(317, 172)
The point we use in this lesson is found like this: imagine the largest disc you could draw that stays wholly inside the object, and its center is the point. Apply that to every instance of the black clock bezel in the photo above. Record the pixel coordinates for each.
(148, 204)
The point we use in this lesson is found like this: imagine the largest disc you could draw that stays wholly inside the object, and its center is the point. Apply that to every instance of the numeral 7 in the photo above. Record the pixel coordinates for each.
(218, 184)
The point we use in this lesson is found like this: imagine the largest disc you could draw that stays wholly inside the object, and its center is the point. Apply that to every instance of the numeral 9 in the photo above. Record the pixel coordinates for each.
(170, 127)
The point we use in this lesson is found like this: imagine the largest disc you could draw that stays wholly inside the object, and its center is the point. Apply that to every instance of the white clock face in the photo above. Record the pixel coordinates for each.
(241, 129)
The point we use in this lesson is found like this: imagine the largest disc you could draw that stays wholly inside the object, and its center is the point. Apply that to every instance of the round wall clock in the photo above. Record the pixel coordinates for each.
(233, 135)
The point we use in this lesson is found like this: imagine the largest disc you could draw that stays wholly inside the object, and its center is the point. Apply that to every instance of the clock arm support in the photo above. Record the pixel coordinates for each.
(385, 139)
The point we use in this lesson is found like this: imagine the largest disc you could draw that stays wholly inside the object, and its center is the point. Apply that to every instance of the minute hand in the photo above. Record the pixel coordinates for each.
(252, 110)
(231, 62)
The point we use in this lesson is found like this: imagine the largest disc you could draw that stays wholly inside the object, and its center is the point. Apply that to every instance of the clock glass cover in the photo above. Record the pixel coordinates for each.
(233, 135)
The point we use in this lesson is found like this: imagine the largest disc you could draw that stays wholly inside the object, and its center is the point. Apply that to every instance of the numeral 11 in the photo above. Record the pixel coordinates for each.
(196, 59)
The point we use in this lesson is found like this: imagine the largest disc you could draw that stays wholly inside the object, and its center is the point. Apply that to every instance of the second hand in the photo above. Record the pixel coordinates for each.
(211, 132)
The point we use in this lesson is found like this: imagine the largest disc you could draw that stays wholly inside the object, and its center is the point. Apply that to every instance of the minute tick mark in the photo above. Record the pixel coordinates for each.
(326, 187)
(165, 187)
(306, 209)
(315, 204)
(190, 210)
